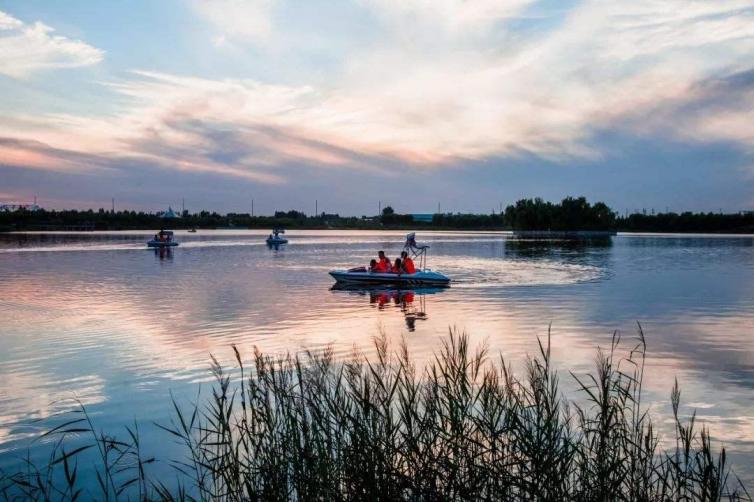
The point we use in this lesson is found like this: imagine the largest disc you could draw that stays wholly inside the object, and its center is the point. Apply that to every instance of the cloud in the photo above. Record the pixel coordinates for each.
(448, 16)
(243, 20)
(448, 82)
(29, 48)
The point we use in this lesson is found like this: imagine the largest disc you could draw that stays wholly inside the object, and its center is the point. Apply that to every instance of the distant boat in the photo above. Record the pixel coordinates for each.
(274, 239)
(192, 231)
(164, 240)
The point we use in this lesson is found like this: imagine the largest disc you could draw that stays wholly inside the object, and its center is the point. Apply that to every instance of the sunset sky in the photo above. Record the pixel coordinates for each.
(470, 104)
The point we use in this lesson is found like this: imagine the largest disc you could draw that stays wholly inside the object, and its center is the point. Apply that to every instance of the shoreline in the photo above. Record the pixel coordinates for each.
(522, 234)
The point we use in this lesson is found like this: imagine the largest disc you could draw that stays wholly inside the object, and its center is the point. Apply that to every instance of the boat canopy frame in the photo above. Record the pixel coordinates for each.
(418, 252)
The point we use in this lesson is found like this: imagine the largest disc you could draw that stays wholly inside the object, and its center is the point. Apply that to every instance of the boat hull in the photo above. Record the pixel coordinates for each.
(273, 242)
(160, 244)
(426, 278)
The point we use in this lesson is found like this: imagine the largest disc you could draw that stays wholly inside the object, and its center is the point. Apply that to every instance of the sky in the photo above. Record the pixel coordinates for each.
(469, 105)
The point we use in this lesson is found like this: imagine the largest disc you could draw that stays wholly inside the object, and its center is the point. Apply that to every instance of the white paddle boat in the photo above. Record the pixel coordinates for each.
(422, 277)
(274, 239)
(164, 239)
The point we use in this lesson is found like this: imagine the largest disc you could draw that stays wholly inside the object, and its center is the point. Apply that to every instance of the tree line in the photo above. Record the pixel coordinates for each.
(572, 213)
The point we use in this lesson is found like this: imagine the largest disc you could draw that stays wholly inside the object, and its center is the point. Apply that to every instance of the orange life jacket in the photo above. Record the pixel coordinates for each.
(408, 265)
(383, 265)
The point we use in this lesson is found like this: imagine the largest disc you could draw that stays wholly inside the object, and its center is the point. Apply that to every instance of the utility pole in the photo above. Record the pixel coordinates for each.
(316, 208)
(379, 208)
(183, 206)
(438, 208)
(113, 206)
(252, 208)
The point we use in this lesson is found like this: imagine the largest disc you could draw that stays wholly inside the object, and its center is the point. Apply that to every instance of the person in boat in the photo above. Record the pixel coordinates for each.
(373, 265)
(397, 267)
(408, 264)
(383, 263)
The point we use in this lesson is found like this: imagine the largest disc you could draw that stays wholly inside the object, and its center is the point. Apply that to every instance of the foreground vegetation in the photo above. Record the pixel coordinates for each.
(570, 214)
(464, 428)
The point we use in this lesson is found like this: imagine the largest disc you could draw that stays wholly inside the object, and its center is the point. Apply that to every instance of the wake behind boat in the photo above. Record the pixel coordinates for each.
(422, 276)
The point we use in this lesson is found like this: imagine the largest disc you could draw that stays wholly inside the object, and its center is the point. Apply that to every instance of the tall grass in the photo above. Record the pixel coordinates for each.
(463, 428)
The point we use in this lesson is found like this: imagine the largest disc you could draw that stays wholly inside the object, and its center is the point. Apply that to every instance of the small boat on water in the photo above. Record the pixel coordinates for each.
(192, 231)
(274, 239)
(422, 277)
(163, 239)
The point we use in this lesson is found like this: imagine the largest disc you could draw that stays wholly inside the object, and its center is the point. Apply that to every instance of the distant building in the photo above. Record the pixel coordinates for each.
(423, 218)
(169, 213)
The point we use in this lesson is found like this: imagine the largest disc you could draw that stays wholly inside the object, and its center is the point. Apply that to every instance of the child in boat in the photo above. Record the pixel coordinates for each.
(397, 267)
(408, 264)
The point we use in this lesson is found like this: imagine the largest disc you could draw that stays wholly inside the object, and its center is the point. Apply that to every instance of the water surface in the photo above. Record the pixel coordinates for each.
(99, 317)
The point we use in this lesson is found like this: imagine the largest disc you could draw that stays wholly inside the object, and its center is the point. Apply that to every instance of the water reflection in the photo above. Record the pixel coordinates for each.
(531, 248)
(123, 328)
(411, 302)
(163, 253)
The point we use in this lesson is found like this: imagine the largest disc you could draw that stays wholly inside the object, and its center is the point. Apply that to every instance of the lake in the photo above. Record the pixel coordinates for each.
(99, 317)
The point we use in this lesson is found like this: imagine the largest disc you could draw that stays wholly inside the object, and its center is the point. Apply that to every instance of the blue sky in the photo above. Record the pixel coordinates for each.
(642, 104)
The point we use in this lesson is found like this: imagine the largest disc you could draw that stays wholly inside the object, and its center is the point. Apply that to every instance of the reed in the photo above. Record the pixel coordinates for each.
(463, 428)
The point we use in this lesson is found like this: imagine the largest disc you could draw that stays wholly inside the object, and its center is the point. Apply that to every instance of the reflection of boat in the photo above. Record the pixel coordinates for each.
(163, 252)
(160, 243)
(423, 276)
(383, 297)
(275, 239)
(384, 288)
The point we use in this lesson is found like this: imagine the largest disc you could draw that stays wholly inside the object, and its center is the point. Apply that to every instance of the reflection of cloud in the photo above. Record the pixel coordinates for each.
(27, 395)
(26, 49)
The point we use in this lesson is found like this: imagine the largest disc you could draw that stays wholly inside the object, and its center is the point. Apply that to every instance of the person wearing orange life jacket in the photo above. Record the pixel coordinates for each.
(383, 263)
(397, 267)
(408, 264)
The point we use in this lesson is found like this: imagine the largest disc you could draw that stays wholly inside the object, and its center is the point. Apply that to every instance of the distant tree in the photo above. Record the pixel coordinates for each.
(573, 213)
(388, 211)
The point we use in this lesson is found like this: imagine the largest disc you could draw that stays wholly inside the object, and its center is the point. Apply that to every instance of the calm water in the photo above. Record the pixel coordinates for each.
(99, 317)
